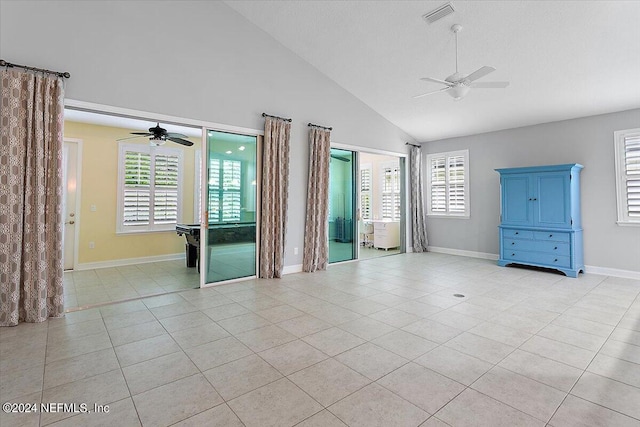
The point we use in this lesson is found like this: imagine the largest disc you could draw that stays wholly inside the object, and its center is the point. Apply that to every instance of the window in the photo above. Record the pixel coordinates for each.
(148, 188)
(447, 184)
(365, 192)
(390, 191)
(627, 150)
(224, 190)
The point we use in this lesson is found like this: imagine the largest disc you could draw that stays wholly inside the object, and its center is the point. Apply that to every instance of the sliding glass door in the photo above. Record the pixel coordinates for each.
(342, 199)
(229, 247)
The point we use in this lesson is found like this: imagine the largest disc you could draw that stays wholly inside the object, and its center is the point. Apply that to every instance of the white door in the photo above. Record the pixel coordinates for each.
(69, 202)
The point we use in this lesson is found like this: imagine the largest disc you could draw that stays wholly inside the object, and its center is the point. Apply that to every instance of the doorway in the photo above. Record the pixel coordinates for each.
(229, 246)
(71, 170)
(342, 197)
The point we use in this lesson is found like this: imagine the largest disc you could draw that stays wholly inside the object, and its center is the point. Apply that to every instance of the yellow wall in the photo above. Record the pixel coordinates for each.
(99, 187)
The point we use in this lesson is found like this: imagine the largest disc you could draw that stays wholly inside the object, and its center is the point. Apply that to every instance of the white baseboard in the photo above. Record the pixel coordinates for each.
(460, 252)
(290, 269)
(605, 271)
(128, 261)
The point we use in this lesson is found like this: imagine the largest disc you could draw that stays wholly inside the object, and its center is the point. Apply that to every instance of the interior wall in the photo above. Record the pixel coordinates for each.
(208, 63)
(99, 187)
(588, 141)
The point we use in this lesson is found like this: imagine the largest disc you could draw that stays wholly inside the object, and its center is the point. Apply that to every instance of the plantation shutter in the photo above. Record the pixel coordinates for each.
(225, 178)
(365, 193)
(632, 174)
(391, 192)
(456, 176)
(165, 207)
(137, 188)
(447, 184)
(438, 194)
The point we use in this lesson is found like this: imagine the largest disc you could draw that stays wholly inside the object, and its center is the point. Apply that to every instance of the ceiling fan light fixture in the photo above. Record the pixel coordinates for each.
(458, 91)
(157, 141)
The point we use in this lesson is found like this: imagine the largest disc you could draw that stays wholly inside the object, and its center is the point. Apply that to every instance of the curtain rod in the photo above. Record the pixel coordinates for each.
(64, 74)
(413, 145)
(318, 126)
(276, 117)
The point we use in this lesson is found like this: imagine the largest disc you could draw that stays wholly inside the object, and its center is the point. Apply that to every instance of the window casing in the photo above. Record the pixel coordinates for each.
(627, 153)
(448, 184)
(390, 191)
(149, 188)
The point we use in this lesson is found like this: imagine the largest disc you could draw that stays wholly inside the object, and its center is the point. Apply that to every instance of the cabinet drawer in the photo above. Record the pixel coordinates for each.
(552, 236)
(550, 247)
(517, 234)
(538, 258)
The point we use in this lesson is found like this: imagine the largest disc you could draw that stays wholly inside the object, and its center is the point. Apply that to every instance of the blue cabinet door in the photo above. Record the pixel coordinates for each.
(516, 203)
(551, 200)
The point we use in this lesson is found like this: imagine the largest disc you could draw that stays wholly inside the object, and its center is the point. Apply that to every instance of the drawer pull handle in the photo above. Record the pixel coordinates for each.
(517, 232)
(555, 260)
(513, 243)
(513, 254)
(550, 235)
(555, 247)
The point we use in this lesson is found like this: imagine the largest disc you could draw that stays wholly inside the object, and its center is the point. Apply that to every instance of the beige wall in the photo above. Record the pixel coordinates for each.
(99, 183)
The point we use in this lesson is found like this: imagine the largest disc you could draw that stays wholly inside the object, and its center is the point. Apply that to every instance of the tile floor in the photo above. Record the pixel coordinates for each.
(372, 343)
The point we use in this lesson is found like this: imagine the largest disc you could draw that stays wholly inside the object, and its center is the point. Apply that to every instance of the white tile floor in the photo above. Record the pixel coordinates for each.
(363, 344)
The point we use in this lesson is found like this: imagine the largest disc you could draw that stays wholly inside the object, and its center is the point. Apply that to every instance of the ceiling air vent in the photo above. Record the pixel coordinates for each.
(439, 13)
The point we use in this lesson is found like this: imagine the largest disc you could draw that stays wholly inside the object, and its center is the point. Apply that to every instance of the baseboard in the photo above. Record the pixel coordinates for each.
(605, 271)
(460, 252)
(127, 261)
(290, 269)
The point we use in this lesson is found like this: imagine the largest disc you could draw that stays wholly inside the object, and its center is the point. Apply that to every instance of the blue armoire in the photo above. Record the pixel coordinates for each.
(540, 217)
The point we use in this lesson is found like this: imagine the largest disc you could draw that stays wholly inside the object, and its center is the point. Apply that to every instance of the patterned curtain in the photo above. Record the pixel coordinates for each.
(418, 226)
(275, 190)
(31, 269)
(316, 242)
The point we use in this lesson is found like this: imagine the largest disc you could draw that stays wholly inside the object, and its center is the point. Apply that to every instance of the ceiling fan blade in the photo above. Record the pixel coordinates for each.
(444, 89)
(481, 72)
(176, 135)
(431, 79)
(132, 137)
(180, 141)
(489, 85)
(142, 133)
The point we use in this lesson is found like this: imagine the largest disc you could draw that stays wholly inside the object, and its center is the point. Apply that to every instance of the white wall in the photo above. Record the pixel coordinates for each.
(193, 59)
(588, 141)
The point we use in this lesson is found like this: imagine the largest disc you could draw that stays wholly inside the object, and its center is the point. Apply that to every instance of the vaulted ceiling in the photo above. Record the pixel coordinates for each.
(564, 59)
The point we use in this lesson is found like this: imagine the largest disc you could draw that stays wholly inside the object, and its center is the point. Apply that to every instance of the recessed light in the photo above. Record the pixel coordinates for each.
(228, 151)
(241, 148)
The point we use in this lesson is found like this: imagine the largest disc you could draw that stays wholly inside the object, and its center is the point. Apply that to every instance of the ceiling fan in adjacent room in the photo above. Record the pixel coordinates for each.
(160, 135)
(458, 85)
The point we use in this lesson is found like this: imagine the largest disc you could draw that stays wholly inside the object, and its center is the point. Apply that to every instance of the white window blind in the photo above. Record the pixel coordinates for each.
(225, 180)
(150, 178)
(391, 192)
(627, 148)
(365, 192)
(447, 184)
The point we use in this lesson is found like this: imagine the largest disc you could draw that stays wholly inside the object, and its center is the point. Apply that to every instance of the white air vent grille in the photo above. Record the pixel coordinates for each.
(439, 13)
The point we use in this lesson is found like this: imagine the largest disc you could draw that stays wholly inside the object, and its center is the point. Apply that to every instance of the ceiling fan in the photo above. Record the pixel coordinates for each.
(458, 85)
(159, 136)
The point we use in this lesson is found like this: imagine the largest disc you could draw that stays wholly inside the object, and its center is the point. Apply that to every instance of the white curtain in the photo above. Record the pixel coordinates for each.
(416, 204)
(31, 270)
(275, 191)
(316, 240)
